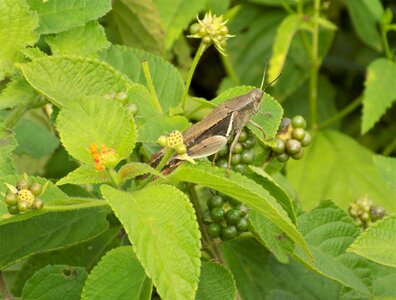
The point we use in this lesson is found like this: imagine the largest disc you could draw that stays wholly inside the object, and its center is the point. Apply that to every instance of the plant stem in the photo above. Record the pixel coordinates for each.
(342, 113)
(3, 288)
(154, 98)
(313, 82)
(229, 69)
(113, 176)
(198, 209)
(287, 7)
(385, 42)
(200, 51)
(390, 148)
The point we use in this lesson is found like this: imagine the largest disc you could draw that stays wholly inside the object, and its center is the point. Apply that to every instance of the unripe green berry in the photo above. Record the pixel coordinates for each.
(206, 40)
(233, 216)
(249, 143)
(229, 232)
(298, 155)
(162, 140)
(36, 188)
(243, 209)
(217, 213)
(243, 136)
(13, 209)
(298, 133)
(181, 149)
(307, 140)
(223, 151)
(240, 168)
(377, 213)
(292, 146)
(279, 146)
(22, 185)
(282, 157)
(235, 159)
(234, 202)
(23, 206)
(222, 163)
(132, 108)
(38, 204)
(214, 230)
(11, 199)
(121, 97)
(194, 28)
(237, 148)
(215, 201)
(299, 122)
(247, 156)
(365, 217)
(242, 225)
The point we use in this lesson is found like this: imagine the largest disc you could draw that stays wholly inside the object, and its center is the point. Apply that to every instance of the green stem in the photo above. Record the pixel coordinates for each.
(198, 210)
(229, 69)
(14, 116)
(94, 203)
(389, 149)
(300, 7)
(3, 288)
(342, 113)
(200, 51)
(385, 42)
(167, 155)
(113, 176)
(287, 7)
(154, 98)
(313, 82)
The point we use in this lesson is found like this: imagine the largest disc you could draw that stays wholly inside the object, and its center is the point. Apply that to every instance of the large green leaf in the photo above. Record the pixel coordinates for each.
(17, 92)
(378, 242)
(137, 24)
(259, 276)
(7, 145)
(216, 282)
(82, 40)
(17, 30)
(161, 225)
(386, 168)
(243, 189)
(284, 36)
(379, 92)
(66, 78)
(55, 282)
(329, 231)
(96, 121)
(56, 16)
(337, 167)
(383, 281)
(176, 15)
(119, 275)
(46, 230)
(364, 20)
(167, 80)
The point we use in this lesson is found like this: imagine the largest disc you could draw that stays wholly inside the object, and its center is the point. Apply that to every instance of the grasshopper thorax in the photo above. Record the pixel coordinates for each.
(256, 96)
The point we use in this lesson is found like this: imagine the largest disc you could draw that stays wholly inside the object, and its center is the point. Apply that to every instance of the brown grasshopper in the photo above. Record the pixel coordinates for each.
(212, 133)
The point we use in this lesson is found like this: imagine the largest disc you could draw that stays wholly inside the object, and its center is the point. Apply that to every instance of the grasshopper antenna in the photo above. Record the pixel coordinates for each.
(264, 73)
(268, 84)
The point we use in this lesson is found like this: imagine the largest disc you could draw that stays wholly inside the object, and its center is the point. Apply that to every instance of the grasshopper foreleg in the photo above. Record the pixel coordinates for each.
(258, 127)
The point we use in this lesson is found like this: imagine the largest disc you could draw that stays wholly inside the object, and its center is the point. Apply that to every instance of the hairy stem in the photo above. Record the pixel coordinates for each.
(385, 43)
(200, 51)
(313, 82)
(390, 148)
(342, 113)
(3, 288)
(154, 98)
(214, 247)
(113, 177)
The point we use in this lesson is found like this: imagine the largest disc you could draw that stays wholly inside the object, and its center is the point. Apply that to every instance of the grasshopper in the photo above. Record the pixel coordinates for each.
(212, 133)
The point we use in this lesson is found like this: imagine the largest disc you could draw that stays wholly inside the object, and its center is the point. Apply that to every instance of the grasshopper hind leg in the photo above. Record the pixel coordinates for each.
(207, 147)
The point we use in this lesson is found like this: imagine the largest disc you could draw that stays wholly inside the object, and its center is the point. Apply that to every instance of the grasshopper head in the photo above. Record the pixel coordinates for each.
(256, 96)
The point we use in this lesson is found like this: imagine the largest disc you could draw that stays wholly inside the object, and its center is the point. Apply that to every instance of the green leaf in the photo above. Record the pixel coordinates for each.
(55, 282)
(34, 139)
(57, 16)
(17, 30)
(17, 92)
(83, 40)
(244, 190)
(383, 281)
(329, 231)
(136, 24)
(268, 117)
(161, 225)
(7, 145)
(66, 78)
(167, 80)
(96, 121)
(119, 275)
(335, 166)
(386, 168)
(364, 21)
(176, 15)
(378, 242)
(379, 92)
(134, 169)
(85, 174)
(284, 36)
(216, 282)
(47, 230)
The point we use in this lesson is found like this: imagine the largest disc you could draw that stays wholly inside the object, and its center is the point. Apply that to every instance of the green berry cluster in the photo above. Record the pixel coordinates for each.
(23, 197)
(122, 97)
(242, 154)
(364, 212)
(225, 218)
(173, 140)
(291, 140)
